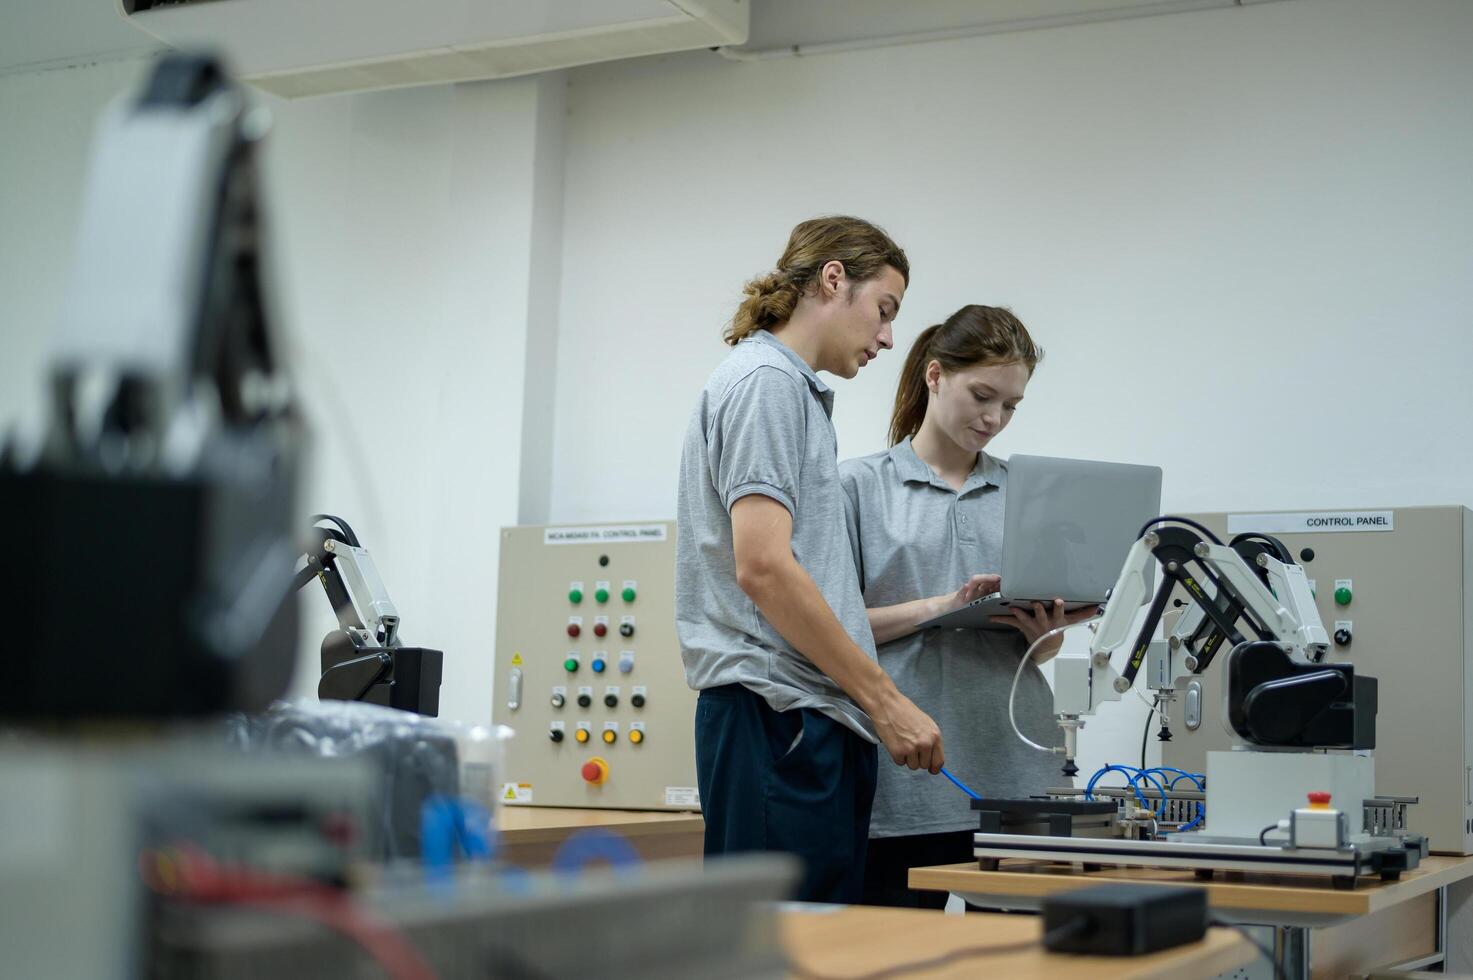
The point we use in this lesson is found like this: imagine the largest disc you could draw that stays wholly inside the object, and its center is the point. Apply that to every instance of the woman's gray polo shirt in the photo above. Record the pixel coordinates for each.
(913, 536)
(762, 425)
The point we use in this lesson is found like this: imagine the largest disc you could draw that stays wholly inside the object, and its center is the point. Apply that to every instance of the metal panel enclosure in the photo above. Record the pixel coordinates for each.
(560, 588)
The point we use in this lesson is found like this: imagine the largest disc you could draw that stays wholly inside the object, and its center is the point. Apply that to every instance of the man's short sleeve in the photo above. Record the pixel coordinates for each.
(756, 438)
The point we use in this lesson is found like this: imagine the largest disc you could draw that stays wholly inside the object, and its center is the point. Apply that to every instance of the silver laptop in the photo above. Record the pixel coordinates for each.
(1067, 526)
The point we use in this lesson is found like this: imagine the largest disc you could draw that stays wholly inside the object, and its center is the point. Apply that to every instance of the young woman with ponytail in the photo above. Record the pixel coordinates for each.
(773, 630)
(925, 515)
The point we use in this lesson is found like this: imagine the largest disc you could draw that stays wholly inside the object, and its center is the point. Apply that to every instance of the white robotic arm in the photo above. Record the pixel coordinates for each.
(1274, 604)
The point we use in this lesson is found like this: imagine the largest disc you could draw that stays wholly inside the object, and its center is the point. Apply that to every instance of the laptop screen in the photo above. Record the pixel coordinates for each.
(1069, 524)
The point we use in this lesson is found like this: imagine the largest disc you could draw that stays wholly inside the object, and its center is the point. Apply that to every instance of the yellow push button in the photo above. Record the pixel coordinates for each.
(581, 735)
(636, 736)
(610, 736)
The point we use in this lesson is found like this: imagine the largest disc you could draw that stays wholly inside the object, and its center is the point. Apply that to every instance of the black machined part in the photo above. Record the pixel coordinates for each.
(1003, 816)
(1034, 805)
(127, 595)
(407, 678)
(1273, 700)
(181, 80)
(350, 680)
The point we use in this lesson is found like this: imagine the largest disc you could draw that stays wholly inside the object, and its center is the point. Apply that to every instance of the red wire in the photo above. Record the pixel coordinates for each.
(201, 879)
(387, 946)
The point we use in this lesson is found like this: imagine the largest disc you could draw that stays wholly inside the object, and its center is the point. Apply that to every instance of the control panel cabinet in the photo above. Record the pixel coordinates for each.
(1393, 589)
(588, 669)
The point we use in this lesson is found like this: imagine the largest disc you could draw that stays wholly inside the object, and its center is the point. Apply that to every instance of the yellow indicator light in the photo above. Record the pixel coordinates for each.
(582, 735)
(610, 735)
(636, 736)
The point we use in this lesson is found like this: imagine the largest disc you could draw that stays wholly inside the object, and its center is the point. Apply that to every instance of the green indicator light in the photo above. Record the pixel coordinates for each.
(1342, 596)
(602, 595)
(571, 665)
(628, 593)
(575, 596)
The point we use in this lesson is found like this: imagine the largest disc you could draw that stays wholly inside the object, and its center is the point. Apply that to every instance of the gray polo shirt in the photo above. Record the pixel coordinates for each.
(913, 536)
(762, 426)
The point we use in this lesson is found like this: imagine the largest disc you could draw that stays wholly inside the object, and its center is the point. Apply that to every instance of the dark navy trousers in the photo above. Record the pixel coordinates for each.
(794, 781)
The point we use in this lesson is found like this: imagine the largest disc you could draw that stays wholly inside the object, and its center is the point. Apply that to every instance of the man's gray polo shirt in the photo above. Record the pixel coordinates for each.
(914, 536)
(762, 425)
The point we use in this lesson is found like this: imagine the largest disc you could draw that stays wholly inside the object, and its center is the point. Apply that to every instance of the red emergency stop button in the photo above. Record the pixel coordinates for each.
(1319, 800)
(595, 771)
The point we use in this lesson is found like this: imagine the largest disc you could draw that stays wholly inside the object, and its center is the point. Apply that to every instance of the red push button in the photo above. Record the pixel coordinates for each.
(574, 629)
(600, 629)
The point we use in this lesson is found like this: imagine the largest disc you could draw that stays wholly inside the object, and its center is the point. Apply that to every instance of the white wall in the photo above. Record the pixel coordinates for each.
(1244, 236)
(414, 235)
(407, 222)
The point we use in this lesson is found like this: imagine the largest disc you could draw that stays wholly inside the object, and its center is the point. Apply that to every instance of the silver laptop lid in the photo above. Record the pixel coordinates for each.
(1069, 523)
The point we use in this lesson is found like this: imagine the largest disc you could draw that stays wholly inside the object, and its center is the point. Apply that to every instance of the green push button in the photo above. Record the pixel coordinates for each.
(1342, 596)
(575, 596)
(602, 595)
(571, 665)
(628, 593)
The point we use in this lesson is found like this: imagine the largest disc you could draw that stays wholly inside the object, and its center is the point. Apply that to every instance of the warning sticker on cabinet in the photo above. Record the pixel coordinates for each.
(682, 796)
(516, 793)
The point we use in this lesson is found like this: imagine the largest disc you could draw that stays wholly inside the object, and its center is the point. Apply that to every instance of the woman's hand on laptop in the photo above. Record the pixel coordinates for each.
(1039, 620)
(971, 590)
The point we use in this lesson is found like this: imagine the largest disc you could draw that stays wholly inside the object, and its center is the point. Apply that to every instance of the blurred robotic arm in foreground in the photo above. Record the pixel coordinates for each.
(150, 573)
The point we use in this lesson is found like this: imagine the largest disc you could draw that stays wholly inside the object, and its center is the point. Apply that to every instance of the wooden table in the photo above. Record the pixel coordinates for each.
(1318, 930)
(852, 941)
(529, 836)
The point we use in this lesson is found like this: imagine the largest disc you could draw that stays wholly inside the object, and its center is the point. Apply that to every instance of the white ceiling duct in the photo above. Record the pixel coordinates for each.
(296, 48)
